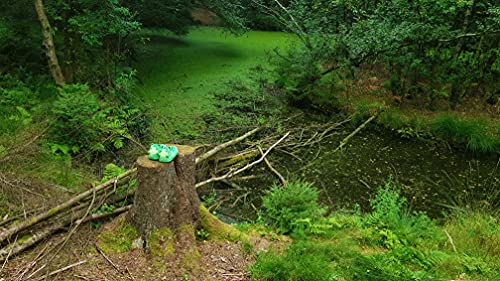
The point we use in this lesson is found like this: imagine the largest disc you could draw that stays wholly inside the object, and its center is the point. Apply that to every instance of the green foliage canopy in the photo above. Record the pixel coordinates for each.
(432, 49)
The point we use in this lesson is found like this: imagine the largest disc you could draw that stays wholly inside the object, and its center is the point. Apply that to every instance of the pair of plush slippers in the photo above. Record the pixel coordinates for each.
(162, 153)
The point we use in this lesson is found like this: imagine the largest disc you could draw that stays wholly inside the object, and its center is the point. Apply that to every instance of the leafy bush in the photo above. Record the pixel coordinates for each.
(302, 75)
(17, 102)
(111, 171)
(79, 117)
(83, 120)
(285, 207)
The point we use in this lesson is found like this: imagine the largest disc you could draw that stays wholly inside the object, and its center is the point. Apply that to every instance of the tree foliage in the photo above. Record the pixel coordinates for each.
(431, 49)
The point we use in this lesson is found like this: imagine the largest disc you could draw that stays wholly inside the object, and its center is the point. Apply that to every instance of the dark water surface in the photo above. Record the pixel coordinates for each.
(432, 176)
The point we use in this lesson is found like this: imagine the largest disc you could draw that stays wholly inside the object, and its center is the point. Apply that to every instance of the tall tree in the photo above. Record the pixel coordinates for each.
(48, 43)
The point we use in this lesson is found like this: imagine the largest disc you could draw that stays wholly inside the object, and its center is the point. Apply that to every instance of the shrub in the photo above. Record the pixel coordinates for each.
(304, 79)
(395, 225)
(79, 117)
(83, 120)
(285, 207)
(17, 102)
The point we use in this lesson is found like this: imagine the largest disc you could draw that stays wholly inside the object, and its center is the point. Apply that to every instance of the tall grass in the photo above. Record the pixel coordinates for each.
(475, 133)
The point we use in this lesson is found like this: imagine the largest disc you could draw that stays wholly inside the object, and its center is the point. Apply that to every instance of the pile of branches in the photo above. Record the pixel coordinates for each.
(19, 235)
(303, 143)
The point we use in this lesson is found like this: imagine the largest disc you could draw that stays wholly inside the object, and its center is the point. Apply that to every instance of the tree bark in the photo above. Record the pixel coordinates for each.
(48, 43)
(166, 197)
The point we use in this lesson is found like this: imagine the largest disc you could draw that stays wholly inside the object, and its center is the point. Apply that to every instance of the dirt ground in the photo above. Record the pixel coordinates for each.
(219, 260)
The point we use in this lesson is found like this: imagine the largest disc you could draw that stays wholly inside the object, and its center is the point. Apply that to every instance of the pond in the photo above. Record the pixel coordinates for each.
(432, 176)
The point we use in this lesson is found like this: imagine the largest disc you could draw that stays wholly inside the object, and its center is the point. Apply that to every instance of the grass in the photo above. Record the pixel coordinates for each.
(389, 243)
(179, 74)
(476, 134)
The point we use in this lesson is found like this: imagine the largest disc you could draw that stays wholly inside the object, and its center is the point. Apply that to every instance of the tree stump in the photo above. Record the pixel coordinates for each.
(166, 202)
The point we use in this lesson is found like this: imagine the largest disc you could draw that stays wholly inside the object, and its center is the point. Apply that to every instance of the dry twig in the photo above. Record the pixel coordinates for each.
(220, 147)
(107, 259)
(62, 269)
(282, 179)
(234, 173)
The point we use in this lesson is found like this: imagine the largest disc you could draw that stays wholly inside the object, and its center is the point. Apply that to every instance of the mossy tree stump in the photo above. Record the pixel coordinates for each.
(166, 200)
(167, 210)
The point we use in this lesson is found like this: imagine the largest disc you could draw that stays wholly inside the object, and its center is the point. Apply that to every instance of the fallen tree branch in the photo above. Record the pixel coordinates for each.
(39, 236)
(77, 224)
(220, 147)
(343, 142)
(62, 270)
(61, 207)
(358, 129)
(281, 178)
(234, 173)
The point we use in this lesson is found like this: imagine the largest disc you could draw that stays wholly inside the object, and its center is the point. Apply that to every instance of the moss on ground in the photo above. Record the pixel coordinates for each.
(118, 238)
(218, 230)
(161, 243)
(190, 254)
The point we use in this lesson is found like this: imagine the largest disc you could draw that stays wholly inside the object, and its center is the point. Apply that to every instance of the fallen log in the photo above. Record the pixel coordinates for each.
(16, 248)
(238, 158)
(358, 129)
(220, 147)
(61, 207)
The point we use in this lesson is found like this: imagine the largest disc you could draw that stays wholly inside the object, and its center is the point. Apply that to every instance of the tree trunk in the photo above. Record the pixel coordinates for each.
(48, 43)
(166, 198)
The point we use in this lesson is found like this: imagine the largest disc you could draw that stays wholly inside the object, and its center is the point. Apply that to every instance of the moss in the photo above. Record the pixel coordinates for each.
(190, 259)
(219, 230)
(161, 243)
(52, 211)
(24, 238)
(118, 239)
(190, 253)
